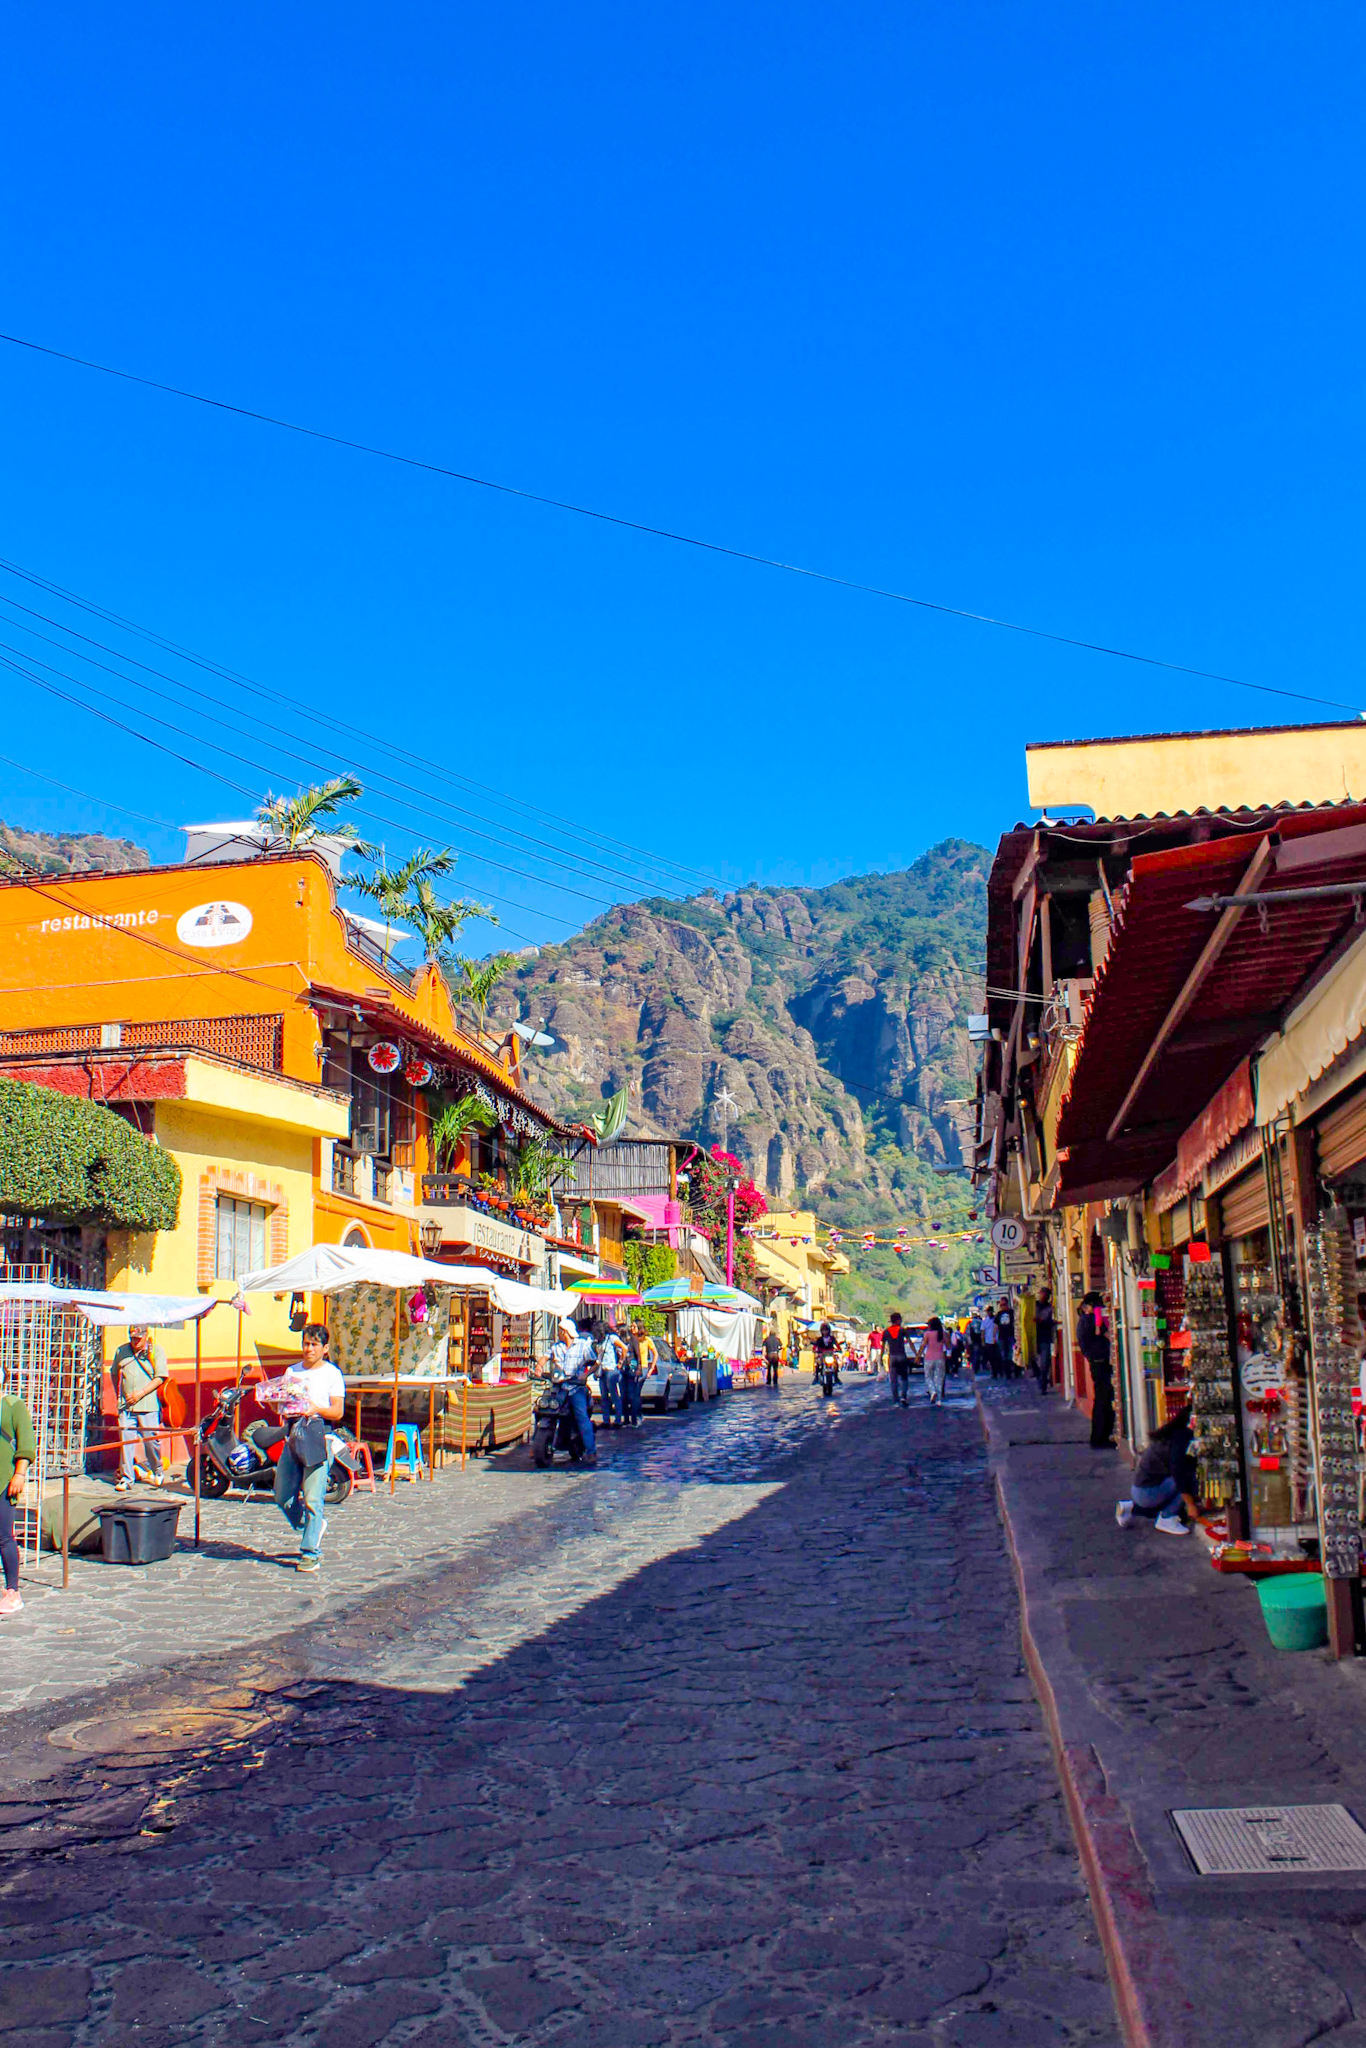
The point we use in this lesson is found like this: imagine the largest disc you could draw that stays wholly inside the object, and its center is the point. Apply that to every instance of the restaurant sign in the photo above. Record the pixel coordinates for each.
(470, 1227)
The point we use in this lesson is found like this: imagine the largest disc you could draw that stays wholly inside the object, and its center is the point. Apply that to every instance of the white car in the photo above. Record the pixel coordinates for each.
(668, 1386)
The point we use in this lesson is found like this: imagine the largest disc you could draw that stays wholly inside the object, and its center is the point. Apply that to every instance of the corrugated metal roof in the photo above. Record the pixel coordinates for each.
(1156, 942)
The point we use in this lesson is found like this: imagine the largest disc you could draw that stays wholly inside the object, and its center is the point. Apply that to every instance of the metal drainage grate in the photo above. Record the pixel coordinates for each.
(1253, 1841)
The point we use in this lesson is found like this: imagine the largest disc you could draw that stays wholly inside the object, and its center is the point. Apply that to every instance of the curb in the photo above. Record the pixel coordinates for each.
(1155, 2010)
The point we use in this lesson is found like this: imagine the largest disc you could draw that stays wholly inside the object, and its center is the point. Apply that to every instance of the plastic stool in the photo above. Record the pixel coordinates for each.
(410, 1437)
(360, 1450)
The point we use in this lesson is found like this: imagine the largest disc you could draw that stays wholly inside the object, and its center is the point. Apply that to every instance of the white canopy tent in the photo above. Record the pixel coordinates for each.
(324, 1268)
(330, 1268)
(154, 1311)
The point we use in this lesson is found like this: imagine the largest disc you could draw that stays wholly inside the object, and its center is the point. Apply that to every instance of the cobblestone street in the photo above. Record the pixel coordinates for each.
(728, 1742)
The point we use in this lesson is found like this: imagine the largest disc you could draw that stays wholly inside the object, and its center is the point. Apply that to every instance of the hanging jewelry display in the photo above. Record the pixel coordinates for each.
(1269, 1398)
(1331, 1267)
(1214, 1408)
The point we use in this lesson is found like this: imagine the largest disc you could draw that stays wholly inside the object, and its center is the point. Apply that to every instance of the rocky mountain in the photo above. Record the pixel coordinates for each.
(835, 1019)
(69, 853)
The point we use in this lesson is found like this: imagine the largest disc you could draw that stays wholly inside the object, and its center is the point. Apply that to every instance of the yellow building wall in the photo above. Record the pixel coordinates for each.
(203, 1139)
(1211, 770)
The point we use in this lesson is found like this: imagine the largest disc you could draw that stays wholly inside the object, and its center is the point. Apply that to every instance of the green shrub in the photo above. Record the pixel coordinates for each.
(80, 1163)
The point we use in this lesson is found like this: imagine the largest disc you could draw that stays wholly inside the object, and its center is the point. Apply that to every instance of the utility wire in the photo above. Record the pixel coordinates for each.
(689, 540)
(199, 767)
(377, 817)
(592, 870)
(663, 863)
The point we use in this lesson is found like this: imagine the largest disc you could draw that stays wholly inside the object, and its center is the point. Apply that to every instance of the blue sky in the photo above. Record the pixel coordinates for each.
(1050, 313)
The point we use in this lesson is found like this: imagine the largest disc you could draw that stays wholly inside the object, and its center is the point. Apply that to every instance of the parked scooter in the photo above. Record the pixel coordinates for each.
(557, 1427)
(248, 1462)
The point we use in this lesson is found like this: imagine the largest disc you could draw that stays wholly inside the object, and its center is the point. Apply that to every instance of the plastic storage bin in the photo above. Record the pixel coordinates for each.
(139, 1532)
(1295, 1610)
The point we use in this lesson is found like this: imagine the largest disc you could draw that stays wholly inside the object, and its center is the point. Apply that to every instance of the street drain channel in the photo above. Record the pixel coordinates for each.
(155, 1734)
(1267, 1841)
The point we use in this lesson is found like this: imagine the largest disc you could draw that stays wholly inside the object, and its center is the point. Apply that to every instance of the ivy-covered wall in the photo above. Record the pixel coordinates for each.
(79, 1163)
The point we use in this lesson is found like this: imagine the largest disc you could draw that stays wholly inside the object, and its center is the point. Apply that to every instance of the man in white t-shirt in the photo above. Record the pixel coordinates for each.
(315, 1391)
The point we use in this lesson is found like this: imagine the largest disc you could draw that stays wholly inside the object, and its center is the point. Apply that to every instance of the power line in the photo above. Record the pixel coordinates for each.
(102, 803)
(198, 766)
(377, 817)
(592, 870)
(661, 862)
(689, 540)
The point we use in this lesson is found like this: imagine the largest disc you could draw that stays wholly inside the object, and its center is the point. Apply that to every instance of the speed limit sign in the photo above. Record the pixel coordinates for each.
(1008, 1233)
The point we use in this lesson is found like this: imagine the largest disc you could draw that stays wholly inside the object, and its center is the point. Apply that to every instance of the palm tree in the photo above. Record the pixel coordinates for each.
(311, 814)
(454, 1121)
(477, 983)
(406, 896)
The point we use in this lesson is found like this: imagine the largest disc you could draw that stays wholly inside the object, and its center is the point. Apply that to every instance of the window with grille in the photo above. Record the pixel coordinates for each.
(240, 1237)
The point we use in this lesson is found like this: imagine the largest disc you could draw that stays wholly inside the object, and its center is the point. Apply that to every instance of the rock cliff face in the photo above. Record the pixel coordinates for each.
(68, 853)
(833, 1018)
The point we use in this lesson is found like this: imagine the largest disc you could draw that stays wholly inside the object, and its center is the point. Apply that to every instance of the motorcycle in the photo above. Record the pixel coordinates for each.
(248, 1462)
(556, 1427)
(827, 1372)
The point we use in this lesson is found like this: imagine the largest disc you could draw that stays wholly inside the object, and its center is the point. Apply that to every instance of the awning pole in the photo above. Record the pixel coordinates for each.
(194, 1442)
(393, 1425)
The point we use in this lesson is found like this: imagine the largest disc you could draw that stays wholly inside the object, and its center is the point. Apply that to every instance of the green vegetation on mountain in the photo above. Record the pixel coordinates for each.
(834, 1019)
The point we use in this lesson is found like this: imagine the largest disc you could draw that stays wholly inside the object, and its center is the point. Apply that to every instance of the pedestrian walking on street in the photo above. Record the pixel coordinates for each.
(309, 1396)
(975, 1348)
(934, 1356)
(1045, 1331)
(139, 1373)
(990, 1352)
(1093, 1342)
(773, 1356)
(636, 1367)
(18, 1449)
(898, 1359)
(1005, 1338)
(610, 1354)
(874, 1348)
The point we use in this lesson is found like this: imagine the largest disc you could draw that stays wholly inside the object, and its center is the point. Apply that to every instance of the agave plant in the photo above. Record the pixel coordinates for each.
(311, 814)
(453, 1123)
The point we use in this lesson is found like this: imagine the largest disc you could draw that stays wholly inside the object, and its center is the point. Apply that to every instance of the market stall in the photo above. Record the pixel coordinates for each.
(415, 1327)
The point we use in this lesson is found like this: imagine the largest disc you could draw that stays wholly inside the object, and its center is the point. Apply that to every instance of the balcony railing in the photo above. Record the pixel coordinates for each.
(343, 1171)
(458, 1190)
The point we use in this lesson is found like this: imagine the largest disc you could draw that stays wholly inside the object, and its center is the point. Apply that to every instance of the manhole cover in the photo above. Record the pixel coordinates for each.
(154, 1734)
(1229, 1841)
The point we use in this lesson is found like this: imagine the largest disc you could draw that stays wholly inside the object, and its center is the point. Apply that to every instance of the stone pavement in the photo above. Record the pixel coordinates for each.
(767, 1773)
(114, 1621)
(1163, 1692)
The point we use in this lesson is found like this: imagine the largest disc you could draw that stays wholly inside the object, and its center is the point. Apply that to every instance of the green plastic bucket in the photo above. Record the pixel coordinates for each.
(1295, 1610)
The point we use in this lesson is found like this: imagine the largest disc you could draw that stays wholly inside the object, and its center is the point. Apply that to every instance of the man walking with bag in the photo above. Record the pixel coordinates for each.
(310, 1395)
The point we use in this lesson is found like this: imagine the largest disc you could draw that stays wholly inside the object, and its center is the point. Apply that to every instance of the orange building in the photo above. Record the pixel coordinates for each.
(238, 1015)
